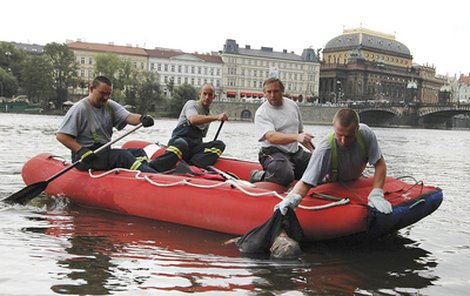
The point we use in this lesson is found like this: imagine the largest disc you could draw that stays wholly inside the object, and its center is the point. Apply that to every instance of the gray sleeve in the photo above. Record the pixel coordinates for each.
(74, 122)
(263, 124)
(120, 115)
(319, 165)
(190, 109)
(374, 152)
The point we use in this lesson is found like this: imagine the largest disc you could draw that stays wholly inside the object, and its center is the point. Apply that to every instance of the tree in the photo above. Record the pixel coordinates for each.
(181, 95)
(109, 65)
(129, 79)
(11, 59)
(149, 93)
(8, 84)
(65, 67)
(37, 73)
(170, 86)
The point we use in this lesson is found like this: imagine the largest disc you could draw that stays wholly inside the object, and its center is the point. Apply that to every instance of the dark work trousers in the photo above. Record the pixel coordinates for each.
(282, 167)
(109, 159)
(191, 150)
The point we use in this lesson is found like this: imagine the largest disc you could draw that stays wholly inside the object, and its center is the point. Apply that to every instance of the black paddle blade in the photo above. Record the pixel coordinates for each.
(26, 194)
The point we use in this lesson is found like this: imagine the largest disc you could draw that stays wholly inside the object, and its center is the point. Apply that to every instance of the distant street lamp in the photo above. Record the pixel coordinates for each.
(339, 87)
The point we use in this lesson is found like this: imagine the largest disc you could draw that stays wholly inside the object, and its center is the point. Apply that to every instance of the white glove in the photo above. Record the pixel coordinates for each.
(290, 201)
(377, 200)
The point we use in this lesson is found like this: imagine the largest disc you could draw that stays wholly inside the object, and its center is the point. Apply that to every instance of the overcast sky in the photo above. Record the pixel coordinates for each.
(436, 33)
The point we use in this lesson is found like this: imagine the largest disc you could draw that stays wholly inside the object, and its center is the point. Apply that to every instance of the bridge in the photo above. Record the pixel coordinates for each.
(412, 114)
(374, 115)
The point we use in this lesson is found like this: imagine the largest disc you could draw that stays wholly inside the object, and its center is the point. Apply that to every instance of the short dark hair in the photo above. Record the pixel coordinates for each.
(100, 79)
(346, 117)
(273, 80)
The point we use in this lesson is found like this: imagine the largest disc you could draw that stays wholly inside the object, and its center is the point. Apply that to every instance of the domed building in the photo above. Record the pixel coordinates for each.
(365, 65)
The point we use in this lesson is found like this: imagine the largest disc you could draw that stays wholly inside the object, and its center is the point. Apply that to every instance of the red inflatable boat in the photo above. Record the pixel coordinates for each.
(234, 206)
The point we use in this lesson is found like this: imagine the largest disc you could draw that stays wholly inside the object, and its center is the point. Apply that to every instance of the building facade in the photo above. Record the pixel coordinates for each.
(363, 65)
(177, 67)
(245, 69)
(463, 89)
(86, 53)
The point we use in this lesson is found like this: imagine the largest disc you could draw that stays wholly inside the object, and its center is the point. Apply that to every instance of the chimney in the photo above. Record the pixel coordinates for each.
(284, 51)
(247, 46)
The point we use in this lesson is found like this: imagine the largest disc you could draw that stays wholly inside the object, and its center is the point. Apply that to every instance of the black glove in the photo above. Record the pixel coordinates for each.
(86, 155)
(146, 120)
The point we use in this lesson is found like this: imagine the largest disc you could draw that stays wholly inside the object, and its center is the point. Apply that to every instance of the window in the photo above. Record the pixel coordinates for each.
(152, 66)
(179, 68)
(90, 61)
(172, 68)
(165, 67)
(82, 60)
(159, 67)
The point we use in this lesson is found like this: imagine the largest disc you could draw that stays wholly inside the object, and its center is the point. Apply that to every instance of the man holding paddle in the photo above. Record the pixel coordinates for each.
(186, 140)
(88, 125)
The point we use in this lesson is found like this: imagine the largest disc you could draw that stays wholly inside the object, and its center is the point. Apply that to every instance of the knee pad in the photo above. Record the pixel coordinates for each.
(219, 144)
(178, 146)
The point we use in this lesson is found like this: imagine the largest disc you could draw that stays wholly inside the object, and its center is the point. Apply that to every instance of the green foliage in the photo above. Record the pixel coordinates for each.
(109, 65)
(8, 84)
(64, 66)
(149, 94)
(11, 59)
(129, 80)
(37, 73)
(181, 95)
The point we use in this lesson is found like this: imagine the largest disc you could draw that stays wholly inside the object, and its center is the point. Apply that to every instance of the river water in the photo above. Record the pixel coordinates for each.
(69, 250)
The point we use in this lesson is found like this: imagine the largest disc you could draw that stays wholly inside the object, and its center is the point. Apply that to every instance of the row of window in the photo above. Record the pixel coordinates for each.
(261, 73)
(258, 84)
(265, 63)
(178, 80)
(82, 61)
(189, 69)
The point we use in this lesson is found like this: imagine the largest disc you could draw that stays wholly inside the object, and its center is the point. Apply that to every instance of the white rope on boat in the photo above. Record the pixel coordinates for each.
(232, 183)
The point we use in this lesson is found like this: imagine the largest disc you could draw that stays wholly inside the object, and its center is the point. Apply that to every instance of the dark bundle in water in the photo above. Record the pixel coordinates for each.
(278, 236)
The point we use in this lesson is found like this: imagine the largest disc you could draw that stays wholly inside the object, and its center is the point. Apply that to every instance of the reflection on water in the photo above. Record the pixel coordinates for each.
(108, 253)
(66, 249)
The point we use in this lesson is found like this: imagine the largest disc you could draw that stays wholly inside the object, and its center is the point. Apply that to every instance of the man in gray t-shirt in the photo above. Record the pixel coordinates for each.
(89, 124)
(279, 129)
(343, 156)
